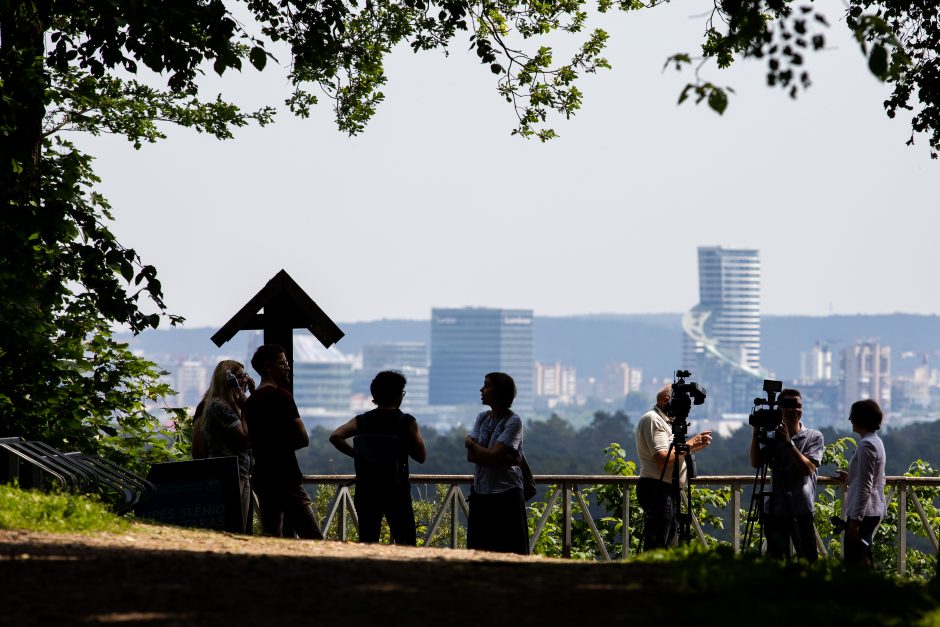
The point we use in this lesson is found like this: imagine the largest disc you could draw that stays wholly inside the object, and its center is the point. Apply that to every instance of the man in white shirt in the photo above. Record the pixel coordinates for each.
(653, 437)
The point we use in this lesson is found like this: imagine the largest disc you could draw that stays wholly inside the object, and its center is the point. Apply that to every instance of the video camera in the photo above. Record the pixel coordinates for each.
(767, 412)
(682, 397)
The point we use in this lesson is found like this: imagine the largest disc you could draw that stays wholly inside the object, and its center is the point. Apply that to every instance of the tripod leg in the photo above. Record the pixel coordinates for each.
(755, 511)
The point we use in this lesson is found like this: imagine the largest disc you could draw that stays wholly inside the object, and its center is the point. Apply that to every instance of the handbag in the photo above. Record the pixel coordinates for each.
(529, 488)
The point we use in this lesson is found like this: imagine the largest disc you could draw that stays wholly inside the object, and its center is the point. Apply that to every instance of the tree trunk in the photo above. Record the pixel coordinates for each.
(22, 70)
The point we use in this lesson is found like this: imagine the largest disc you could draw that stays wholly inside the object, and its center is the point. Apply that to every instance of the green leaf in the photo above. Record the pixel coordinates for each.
(878, 61)
(718, 100)
(258, 58)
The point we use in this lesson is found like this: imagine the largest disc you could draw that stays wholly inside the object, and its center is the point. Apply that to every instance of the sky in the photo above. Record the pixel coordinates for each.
(437, 205)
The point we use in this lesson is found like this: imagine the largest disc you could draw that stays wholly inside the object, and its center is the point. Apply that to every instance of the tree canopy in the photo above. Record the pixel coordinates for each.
(128, 67)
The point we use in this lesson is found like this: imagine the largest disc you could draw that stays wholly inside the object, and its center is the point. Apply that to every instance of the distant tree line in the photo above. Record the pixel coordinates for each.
(554, 446)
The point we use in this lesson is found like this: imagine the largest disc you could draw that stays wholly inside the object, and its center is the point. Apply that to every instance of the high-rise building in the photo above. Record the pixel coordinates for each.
(192, 381)
(387, 355)
(721, 343)
(816, 365)
(556, 381)
(620, 379)
(866, 373)
(467, 343)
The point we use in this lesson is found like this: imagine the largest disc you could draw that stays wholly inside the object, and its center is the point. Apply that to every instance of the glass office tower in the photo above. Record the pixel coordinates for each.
(467, 343)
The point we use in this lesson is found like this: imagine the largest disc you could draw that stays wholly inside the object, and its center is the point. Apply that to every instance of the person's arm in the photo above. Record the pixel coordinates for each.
(864, 480)
(696, 443)
(472, 437)
(302, 438)
(417, 450)
(806, 465)
(296, 432)
(497, 455)
(504, 451)
(236, 439)
(340, 436)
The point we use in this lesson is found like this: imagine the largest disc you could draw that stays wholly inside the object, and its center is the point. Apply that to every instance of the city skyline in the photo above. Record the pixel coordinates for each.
(436, 205)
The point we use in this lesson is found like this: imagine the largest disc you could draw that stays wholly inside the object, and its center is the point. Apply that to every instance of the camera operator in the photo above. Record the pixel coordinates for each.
(797, 452)
(653, 436)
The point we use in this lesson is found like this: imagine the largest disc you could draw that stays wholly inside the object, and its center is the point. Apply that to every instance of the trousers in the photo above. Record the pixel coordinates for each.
(659, 514)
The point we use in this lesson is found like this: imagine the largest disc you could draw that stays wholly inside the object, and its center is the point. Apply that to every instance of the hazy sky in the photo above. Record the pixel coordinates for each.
(437, 205)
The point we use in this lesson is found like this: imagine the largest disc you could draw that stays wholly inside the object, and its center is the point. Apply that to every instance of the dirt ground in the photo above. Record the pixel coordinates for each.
(153, 575)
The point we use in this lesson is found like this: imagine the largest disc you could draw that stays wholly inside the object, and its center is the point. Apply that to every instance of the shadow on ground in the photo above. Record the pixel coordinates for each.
(76, 582)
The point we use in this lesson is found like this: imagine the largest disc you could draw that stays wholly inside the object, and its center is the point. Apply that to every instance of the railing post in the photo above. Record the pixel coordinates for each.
(902, 528)
(736, 516)
(342, 514)
(453, 517)
(625, 528)
(566, 517)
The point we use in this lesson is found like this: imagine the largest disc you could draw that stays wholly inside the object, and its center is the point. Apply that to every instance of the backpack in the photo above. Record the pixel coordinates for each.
(379, 456)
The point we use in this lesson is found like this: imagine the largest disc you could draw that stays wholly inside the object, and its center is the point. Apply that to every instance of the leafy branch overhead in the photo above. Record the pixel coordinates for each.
(899, 40)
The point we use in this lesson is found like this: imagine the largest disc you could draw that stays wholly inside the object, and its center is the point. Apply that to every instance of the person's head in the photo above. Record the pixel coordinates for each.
(865, 416)
(388, 388)
(662, 397)
(791, 405)
(499, 390)
(221, 386)
(270, 362)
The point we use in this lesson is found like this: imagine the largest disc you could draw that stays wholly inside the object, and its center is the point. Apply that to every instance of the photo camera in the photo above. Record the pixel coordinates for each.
(767, 412)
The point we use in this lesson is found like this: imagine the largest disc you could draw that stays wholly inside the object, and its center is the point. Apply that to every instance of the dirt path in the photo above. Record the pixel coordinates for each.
(163, 575)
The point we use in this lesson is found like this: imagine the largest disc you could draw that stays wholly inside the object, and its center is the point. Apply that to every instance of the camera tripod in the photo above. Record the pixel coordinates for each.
(757, 512)
(683, 516)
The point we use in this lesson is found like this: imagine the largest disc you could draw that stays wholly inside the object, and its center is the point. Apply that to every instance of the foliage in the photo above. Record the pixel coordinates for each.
(58, 513)
(885, 544)
(67, 280)
(127, 68)
(900, 41)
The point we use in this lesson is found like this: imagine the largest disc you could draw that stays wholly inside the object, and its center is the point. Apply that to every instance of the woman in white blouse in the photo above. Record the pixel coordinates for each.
(865, 500)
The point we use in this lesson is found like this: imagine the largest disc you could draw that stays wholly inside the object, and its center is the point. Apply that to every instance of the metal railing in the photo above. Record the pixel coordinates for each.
(342, 508)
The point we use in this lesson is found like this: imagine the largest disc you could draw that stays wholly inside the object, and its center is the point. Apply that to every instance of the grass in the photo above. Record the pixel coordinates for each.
(62, 513)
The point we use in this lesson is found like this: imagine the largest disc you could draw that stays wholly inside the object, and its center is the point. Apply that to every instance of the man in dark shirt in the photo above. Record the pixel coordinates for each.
(794, 452)
(276, 431)
(384, 439)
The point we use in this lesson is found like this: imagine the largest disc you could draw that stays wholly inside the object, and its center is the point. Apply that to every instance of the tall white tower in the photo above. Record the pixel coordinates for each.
(722, 332)
(729, 286)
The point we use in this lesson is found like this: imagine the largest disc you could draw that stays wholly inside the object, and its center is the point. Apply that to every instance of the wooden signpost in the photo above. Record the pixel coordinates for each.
(286, 307)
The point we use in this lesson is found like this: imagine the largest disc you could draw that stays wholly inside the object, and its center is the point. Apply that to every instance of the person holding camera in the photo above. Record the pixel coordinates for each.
(220, 423)
(276, 431)
(654, 489)
(497, 520)
(794, 452)
(865, 499)
(383, 440)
